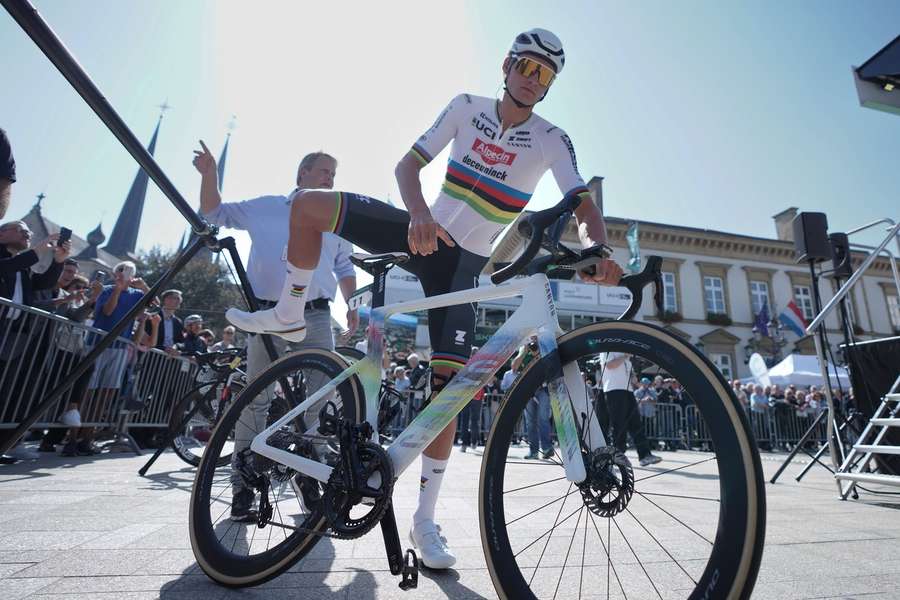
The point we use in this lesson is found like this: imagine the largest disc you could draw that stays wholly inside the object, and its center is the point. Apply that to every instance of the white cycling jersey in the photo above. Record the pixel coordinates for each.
(492, 175)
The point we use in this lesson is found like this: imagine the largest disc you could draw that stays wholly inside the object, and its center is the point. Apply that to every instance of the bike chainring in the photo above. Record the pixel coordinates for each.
(609, 485)
(338, 502)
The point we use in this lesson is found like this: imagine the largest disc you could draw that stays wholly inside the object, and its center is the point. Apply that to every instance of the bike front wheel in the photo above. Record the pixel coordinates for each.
(692, 526)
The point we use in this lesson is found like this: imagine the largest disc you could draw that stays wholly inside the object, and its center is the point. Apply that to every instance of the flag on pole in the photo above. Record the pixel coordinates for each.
(634, 250)
(792, 318)
(762, 319)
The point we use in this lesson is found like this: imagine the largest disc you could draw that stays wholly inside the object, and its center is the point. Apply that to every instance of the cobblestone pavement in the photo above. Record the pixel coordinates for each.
(92, 528)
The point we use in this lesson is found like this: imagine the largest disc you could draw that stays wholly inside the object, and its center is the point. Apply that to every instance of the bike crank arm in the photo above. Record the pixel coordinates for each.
(407, 567)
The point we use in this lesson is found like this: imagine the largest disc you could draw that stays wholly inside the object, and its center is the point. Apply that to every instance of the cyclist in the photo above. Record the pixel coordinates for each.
(500, 151)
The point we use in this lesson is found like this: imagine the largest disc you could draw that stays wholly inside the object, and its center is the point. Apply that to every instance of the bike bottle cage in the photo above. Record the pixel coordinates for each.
(374, 263)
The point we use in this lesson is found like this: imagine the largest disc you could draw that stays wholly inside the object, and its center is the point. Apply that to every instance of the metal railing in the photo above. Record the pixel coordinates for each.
(779, 427)
(38, 349)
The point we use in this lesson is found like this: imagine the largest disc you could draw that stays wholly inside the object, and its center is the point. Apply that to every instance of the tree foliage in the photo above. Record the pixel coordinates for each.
(208, 287)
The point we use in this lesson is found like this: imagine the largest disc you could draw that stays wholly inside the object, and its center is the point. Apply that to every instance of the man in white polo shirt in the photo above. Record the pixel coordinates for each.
(615, 375)
(266, 219)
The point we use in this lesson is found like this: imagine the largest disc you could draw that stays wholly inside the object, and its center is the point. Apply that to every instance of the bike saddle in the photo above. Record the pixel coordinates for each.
(373, 263)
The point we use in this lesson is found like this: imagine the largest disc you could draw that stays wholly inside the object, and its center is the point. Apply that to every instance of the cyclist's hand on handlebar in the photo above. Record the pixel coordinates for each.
(606, 272)
(424, 233)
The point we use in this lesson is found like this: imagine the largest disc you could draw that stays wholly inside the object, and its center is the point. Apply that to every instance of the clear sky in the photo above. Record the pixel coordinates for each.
(705, 114)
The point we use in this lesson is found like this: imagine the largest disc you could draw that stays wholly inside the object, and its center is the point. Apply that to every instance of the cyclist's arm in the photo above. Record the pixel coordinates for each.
(407, 174)
(564, 165)
(424, 232)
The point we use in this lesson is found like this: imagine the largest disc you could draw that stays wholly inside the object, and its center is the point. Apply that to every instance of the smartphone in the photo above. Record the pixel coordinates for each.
(100, 276)
(65, 234)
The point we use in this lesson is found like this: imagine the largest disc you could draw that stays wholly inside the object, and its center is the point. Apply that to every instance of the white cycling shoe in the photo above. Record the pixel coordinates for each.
(265, 321)
(432, 546)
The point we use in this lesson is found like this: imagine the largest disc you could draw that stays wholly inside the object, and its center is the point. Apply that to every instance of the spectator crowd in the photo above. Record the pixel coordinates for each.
(35, 350)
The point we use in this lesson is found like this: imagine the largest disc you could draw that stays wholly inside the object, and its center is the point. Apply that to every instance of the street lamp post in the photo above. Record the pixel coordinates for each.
(771, 352)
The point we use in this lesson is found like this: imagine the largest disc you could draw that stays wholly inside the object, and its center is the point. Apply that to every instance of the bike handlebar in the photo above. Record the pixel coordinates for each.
(533, 227)
(652, 273)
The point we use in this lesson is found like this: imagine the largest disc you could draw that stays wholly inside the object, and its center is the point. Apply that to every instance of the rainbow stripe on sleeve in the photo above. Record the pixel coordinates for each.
(420, 154)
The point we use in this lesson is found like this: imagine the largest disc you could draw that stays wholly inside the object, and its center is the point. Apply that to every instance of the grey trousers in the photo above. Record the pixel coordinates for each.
(253, 417)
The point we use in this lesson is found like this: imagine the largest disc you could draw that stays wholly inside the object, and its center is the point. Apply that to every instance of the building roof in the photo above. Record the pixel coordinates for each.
(123, 239)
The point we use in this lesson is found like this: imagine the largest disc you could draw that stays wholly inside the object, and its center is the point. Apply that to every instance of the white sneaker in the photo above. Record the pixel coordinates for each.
(71, 418)
(432, 546)
(265, 321)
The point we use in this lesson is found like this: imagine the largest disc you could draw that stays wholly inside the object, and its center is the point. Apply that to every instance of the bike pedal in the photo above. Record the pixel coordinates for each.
(409, 578)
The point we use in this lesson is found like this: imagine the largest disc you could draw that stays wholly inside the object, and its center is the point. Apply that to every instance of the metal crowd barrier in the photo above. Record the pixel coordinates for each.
(38, 349)
(778, 428)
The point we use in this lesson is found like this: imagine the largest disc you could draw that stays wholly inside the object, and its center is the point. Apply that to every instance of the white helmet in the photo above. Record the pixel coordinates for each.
(542, 43)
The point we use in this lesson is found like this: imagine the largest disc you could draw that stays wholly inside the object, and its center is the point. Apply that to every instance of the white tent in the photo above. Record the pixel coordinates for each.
(803, 370)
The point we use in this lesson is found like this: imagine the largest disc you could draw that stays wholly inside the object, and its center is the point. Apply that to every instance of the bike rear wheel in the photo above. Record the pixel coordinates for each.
(244, 554)
(632, 532)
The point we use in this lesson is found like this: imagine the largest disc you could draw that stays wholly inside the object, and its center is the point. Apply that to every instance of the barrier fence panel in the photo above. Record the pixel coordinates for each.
(38, 349)
(665, 424)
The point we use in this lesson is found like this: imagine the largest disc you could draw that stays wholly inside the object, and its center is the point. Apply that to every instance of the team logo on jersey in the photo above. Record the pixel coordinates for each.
(484, 128)
(493, 155)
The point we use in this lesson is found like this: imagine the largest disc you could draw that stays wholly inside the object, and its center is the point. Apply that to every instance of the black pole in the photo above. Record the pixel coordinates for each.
(37, 29)
(798, 447)
(104, 343)
(229, 245)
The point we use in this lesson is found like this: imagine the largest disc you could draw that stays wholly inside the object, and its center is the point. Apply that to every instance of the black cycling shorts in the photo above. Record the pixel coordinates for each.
(377, 227)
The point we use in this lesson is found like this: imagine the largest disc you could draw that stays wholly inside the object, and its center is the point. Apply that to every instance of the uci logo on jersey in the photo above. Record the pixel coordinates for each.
(492, 154)
(484, 128)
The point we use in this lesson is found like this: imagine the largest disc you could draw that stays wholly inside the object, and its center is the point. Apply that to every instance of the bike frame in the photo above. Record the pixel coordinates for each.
(536, 314)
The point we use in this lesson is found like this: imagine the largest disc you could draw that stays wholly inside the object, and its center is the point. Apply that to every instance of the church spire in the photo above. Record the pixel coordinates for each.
(123, 239)
(224, 155)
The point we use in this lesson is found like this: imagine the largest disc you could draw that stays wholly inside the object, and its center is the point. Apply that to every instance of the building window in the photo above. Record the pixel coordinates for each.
(714, 293)
(759, 297)
(723, 362)
(803, 298)
(670, 293)
(894, 311)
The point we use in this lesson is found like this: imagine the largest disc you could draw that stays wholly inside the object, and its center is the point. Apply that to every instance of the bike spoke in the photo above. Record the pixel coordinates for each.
(547, 543)
(538, 538)
(607, 549)
(664, 549)
(583, 550)
(525, 487)
(688, 527)
(627, 543)
(699, 462)
(544, 506)
(568, 551)
(677, 496)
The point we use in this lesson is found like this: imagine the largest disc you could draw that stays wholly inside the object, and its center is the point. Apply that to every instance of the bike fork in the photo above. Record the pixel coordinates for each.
(407, 567)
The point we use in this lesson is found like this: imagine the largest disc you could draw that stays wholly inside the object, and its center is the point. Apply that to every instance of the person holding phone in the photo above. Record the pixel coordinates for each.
(19, 284)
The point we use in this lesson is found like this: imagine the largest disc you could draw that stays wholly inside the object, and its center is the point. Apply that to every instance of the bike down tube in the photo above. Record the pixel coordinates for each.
(536, 313)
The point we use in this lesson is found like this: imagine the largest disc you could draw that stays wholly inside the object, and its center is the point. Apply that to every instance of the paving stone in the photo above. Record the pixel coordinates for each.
(97, 530)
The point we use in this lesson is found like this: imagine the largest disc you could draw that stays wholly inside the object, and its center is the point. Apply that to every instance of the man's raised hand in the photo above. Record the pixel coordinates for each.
(204, 161)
